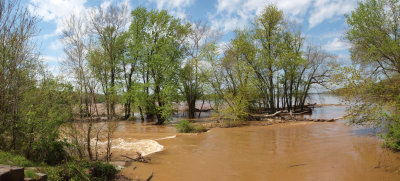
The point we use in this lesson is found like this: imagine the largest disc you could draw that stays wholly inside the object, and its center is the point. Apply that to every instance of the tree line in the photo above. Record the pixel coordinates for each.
(161, 60)
(147, 61)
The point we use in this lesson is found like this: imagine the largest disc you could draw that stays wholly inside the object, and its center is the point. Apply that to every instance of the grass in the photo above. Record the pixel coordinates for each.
(72, 170)
(30, 174)
(17, 160)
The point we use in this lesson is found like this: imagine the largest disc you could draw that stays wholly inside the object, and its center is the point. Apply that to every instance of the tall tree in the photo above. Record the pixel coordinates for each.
(107, 24)
(191, 75)
(163, 39)
(18, 64)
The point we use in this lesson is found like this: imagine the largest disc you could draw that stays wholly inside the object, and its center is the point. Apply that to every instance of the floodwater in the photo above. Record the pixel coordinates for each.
(287, 151)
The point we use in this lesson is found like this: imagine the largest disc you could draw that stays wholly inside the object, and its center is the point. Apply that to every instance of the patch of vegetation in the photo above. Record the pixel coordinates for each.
(186, 126)
(16, 160)
(101, 171)
(30, 174)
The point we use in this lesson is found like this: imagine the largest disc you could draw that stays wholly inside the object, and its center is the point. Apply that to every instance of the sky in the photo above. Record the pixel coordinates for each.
(323, 22)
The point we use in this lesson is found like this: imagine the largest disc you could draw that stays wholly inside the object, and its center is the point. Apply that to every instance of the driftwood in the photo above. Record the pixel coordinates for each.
(150, 177)
(324, 120)
(139, 158)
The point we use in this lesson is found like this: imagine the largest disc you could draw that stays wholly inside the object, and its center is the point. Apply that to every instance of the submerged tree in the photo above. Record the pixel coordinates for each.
(192, 76)
(107, 24)
(267, 68)
(155, 45)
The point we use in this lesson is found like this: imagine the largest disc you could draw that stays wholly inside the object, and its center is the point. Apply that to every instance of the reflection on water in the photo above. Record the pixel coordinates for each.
(321, 98)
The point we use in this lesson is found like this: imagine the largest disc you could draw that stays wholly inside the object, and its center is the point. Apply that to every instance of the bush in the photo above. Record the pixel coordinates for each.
(187, 127)
(51, 152)
(102, 171)
(392, 137)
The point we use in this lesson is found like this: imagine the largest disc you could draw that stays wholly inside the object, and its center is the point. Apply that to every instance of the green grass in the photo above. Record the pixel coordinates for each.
(30, 174)
(16, 160)
(73, 170)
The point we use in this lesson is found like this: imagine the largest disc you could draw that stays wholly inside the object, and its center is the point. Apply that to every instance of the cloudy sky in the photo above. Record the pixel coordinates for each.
(323, 21)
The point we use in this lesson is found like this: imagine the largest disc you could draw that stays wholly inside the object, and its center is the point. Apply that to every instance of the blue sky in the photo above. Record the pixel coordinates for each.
(323, 21)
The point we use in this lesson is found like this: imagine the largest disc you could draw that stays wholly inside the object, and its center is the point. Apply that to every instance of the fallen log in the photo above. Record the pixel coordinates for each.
(263, 116)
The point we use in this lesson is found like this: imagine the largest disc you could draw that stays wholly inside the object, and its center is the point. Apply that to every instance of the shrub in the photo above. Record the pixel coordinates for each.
(200, 129)
(51, 152)
(102, 171)
(187, 127)
(73, 170)
(392, 137)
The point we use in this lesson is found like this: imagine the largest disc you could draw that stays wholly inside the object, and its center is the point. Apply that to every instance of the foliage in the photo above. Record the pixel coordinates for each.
(371, 85)
(102, 171)
(8, 158)
(186, 126)
(154, 54)
(266, 68)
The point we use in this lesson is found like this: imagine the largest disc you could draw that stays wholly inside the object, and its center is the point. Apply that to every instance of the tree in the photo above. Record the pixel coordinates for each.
(374, 35)
(156, 41)
(107, 24)
(370, 87)
(19, 63)
(267, 68)
(191, 76)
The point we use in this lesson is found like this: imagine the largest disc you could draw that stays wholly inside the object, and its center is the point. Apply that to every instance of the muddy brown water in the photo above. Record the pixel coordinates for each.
(287, 151)
(292, 151)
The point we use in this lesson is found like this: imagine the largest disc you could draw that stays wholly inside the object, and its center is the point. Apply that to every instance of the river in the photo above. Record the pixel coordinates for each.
(286, 151)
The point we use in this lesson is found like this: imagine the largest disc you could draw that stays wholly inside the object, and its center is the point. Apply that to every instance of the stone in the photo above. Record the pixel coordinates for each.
(17, 174)
(4, 173)
(11, 173)
(42, 177)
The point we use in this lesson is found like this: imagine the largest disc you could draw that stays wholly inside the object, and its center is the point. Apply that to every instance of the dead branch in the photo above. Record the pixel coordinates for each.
(139, 158)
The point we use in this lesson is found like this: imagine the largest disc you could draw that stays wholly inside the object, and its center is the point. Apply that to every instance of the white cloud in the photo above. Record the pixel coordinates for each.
(48, 59)
(232, 14)
(175, 7)
(336, 45)
(56, 11)
(56, 45)
(327, 9)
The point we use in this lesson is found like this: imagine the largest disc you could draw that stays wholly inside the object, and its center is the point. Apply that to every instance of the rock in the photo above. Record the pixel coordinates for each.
(17, 173)
(11, 173)
(42, 177)
(4, 173)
